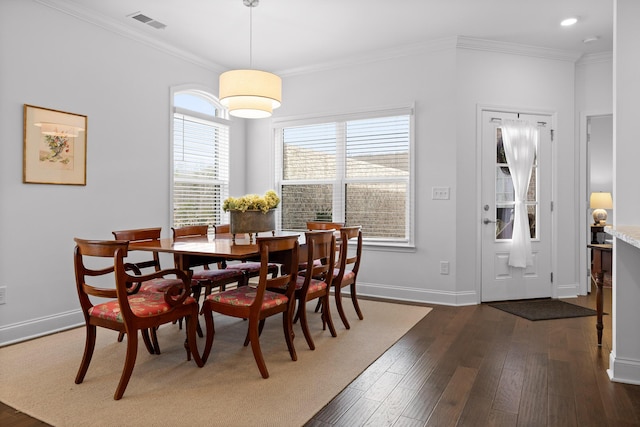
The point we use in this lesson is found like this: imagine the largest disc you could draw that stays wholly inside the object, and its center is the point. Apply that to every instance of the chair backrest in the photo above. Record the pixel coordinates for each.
(321, 255)
(281, 249)
(116, 251)
(195, 231)
(222, 228)
(140, 235)
(190, 230)
(87, 282)
(349, 261)
(324, 225)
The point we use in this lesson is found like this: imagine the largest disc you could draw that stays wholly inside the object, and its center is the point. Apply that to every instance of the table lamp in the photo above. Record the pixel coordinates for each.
(599, 202)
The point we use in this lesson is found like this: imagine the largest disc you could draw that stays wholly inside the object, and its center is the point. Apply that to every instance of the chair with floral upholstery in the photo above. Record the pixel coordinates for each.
(207, 278)
(155, 285)
(95, 262)
(315, 283)
(258, 303)
(346, 271)
(249, 269)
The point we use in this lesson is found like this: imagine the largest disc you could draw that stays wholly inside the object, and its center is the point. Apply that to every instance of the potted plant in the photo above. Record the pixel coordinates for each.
(252, 213)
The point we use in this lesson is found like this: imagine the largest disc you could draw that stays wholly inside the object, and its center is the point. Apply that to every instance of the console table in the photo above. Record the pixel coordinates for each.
(600, 264)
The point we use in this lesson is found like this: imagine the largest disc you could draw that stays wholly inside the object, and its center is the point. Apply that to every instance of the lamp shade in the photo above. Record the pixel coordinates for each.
(601, 201)
(250, 93)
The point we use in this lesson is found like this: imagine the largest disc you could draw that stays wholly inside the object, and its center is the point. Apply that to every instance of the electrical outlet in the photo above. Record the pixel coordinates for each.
(444, 267)
(439, 193)
(3, 294)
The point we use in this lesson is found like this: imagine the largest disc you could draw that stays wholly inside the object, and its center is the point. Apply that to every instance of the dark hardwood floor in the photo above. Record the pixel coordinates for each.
(479, 366)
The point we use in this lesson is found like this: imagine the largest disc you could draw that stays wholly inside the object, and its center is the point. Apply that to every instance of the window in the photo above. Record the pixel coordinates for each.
(355, 170)
(200, 160)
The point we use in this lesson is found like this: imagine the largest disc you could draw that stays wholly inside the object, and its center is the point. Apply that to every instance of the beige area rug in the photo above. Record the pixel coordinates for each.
(37, 377)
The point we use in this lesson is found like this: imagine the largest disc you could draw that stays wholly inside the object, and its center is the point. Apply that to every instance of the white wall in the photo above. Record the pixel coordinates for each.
(624, 361)
(601, 154)
(594, 97)
(446, 83)
(53, 60)
(123, 87)
(426, 79)
(523, 82)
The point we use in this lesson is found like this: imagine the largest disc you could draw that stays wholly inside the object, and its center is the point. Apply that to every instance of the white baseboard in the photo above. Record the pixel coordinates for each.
(428, 296)
(568, 291)
(34, 328)
(624, 370)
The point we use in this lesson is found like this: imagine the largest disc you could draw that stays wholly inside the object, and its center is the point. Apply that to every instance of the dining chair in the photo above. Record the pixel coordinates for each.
(346, 271)
(320, 225)
(256, 304)
(248, 268)
(315, 283)
(155, 285)
(207, 278)
(324, 225)
(125, 311)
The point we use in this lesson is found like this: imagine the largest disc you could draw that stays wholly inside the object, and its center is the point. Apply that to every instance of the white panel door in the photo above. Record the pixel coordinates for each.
(499, 280)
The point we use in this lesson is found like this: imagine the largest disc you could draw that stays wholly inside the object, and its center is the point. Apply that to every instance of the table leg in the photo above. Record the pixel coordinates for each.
(599, 283)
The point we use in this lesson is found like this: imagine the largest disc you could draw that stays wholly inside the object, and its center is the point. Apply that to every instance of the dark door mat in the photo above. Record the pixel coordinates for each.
(543, 309)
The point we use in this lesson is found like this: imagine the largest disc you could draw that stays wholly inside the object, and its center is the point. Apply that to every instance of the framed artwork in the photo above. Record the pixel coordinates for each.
(55, 147)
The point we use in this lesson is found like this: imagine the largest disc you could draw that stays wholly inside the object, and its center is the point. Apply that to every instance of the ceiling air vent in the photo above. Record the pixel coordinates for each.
(146, 20)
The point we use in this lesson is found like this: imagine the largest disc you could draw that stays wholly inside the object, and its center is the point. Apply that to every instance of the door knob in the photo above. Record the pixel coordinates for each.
(487, 221)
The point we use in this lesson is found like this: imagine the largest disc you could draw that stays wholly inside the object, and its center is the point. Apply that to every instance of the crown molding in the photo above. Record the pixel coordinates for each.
(438, 45)
(596, 58)
(516, 49)
(91, 17)
(432, 46)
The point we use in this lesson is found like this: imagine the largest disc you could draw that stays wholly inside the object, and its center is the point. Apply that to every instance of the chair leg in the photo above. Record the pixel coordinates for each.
(354, 299)
(338, 296)
(326, 315)
(208, 320)
(89, 346)
(191, 343)
(120, 336)
(147, 341)
(254, 337)
(129, 362)
(154, 340)
(302, 315)
(318, 305)
(248, 337)
(288, 333)
(198, 329)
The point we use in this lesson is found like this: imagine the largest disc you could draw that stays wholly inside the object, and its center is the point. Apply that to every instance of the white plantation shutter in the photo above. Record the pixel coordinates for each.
(200, 169)
(354, 171)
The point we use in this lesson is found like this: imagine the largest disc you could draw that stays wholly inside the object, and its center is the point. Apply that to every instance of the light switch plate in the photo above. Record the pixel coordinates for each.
(440, 193)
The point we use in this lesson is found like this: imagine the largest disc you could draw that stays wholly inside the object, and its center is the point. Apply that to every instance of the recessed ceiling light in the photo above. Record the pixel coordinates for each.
(568, 22)
(591, 39)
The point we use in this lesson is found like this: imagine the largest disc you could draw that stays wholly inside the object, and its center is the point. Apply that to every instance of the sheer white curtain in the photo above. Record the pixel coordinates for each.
(520, 138)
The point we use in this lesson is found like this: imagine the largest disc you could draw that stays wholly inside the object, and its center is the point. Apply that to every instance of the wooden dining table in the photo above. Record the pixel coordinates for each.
(190, 250)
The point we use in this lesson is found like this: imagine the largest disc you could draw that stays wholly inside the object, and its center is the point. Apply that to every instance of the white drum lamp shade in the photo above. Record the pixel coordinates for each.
(251, 94)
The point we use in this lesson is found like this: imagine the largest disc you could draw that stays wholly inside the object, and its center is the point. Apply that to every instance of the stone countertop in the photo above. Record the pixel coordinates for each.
(626, 233)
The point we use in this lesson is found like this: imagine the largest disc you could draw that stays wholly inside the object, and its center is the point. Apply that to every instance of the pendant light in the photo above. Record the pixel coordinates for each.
(251, 94)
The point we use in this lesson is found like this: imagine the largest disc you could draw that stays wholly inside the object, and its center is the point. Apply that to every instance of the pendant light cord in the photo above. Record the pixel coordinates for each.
(251, 37)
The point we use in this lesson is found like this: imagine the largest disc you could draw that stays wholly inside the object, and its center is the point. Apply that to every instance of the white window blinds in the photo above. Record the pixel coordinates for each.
(352, 171)
(200, 169)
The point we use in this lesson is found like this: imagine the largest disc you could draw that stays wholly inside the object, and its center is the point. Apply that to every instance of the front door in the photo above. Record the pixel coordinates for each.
(499, 280)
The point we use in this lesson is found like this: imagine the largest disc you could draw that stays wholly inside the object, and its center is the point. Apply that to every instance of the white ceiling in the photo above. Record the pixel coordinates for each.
(298, 34)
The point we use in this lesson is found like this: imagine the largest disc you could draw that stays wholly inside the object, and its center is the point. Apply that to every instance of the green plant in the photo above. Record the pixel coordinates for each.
(252, 202)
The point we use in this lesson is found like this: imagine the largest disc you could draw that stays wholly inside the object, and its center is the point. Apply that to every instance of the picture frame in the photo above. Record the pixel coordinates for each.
(55, 147)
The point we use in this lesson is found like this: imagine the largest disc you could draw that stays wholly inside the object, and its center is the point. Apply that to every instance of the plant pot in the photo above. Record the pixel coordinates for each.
(252, 221)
